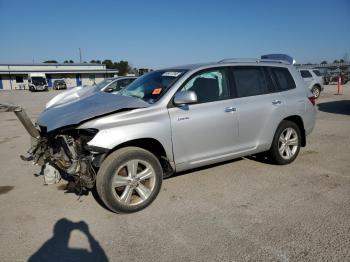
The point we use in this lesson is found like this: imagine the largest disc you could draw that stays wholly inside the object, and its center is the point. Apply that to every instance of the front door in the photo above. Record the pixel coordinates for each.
(204, 132)
(307, 76)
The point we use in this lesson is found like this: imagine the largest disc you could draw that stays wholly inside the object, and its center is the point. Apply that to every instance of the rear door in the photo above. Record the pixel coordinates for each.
(259, 106)
(206, 131)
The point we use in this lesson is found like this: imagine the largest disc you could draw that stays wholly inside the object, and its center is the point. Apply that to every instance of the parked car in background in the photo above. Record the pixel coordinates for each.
(344, 78)
(314, 80)
(59, 84)
(37, 82)
(109, 85)
(326, 78)
(172, 120)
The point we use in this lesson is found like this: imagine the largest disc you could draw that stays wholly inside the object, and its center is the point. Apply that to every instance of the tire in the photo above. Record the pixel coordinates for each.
(132, 193)
(316, 91)
(282, 158)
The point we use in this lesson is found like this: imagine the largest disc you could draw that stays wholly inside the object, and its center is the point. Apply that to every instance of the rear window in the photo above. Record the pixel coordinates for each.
(305, 74)
(250, 81)
(283, 79)
(317, 72)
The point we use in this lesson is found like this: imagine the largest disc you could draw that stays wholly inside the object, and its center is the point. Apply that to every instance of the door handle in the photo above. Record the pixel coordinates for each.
(276, 102)
(230, 109)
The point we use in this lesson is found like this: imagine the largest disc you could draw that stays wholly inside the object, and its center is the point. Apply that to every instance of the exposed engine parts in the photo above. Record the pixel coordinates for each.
(61, 154)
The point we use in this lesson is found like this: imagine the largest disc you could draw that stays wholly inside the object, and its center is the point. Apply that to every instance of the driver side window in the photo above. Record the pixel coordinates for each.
(209, 86)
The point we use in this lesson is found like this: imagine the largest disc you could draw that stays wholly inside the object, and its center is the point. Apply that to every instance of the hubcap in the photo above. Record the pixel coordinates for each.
(288, 143)
(316, 92)
(133, 182)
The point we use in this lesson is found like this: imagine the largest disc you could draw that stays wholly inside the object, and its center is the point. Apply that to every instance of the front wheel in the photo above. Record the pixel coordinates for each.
(129, 180)
(286, 143)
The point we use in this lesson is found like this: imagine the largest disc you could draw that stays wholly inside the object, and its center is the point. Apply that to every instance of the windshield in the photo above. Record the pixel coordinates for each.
(152, 86)
(317, 72)
(38, 80)
(102, 84)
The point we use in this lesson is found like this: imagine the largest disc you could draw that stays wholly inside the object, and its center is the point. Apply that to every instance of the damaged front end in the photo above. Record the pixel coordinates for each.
(61, 153)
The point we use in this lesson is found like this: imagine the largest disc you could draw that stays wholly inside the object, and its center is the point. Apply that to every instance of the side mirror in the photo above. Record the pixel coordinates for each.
(109, 90)
(185, 98)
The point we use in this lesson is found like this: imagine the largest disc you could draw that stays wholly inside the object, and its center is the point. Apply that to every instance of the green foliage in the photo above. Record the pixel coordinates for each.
(122, 66)
(51, 62)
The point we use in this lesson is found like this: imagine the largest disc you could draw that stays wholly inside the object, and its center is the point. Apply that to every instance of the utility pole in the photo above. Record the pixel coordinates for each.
(80, 55)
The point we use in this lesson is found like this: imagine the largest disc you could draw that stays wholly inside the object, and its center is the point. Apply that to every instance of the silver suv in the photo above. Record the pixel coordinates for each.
(172, 120)
(314, 80)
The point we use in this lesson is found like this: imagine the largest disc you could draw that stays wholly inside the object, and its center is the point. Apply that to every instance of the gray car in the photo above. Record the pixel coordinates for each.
(172, 120)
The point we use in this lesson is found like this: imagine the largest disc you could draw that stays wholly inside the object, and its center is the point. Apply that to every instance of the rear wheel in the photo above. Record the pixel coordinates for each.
(129, 180)
(316, 91)
(286, 143)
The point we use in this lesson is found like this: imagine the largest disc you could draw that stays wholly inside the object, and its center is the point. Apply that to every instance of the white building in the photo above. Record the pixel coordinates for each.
(15, 76)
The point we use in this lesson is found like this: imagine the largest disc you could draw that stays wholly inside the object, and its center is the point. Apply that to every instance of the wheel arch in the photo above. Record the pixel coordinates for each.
(317, 85)
(152, 145)
(300, 123)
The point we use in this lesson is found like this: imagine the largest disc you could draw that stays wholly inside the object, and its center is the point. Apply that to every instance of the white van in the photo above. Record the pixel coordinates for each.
(37, 82)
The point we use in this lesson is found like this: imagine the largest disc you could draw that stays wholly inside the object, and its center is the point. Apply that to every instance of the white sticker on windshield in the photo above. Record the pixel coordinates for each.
(172, 74)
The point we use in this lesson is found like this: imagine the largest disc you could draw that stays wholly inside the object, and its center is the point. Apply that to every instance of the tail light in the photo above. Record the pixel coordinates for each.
(312, 100)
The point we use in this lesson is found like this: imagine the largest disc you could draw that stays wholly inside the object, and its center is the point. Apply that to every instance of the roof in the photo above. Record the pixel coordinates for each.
(231, 61)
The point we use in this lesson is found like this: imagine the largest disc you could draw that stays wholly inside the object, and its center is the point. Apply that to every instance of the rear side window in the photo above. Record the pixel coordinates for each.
(305, 74)
(283, 79)
(317, 72)
(250, 81)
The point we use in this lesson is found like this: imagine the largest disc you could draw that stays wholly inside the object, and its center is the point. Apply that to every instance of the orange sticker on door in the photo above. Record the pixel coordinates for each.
(156, 91)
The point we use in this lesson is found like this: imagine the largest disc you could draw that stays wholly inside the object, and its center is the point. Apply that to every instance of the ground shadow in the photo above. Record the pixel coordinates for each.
(341, 107)
(56, 248)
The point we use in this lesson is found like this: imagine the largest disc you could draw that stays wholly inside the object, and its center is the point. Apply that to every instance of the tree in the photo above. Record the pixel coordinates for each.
(341, 61)
(71, 61)
(66, 61)
(123, 68)
(335, 61)
(109, 64)
(95, 61)
(51, 62)
(324, 62)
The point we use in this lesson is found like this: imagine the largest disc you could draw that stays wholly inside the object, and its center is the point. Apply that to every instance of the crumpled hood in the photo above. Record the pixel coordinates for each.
(70, 95)
(87, 107)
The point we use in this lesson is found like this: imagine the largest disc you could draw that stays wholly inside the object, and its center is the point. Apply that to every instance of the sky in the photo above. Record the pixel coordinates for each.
(162, 33)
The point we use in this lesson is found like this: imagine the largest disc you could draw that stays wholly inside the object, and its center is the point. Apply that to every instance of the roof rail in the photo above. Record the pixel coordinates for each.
(251, 60)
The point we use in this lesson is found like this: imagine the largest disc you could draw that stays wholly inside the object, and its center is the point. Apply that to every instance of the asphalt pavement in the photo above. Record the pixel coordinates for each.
(242, 210)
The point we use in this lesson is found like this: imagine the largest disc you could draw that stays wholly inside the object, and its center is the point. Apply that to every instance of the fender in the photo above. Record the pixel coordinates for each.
(123, 127)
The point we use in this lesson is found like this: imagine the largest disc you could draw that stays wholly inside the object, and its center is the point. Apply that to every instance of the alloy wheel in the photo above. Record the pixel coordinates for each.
(133, 182)
(288, 143)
